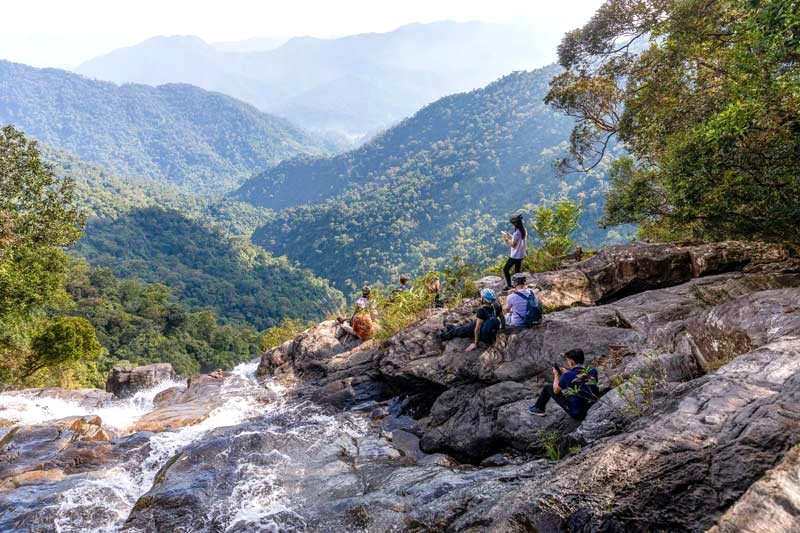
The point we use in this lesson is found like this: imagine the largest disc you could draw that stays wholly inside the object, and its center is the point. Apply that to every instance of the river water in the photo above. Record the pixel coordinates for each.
(102, 501)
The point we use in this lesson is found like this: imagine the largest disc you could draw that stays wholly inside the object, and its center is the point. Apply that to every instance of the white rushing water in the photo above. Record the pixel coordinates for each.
(101, 502)
(27, 409)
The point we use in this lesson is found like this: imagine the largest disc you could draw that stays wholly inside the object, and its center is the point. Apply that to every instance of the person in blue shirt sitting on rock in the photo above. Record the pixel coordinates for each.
(574, 388)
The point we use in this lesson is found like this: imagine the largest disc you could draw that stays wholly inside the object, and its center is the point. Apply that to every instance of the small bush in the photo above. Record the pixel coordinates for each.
(288, 329)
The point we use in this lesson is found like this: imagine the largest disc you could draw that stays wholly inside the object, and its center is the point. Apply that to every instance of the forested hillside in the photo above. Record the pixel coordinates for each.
(144, 323)
(441, 183)
(205, 141)
(102, 194)
(159, 233)
(204, 268)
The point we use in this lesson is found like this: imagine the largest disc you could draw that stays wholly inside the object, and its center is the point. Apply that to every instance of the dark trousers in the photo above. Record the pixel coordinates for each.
(517, 264)
(467, 331)
(547, 393)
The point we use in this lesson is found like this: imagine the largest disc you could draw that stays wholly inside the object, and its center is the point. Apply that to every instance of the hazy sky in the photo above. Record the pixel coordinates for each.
(64, 33)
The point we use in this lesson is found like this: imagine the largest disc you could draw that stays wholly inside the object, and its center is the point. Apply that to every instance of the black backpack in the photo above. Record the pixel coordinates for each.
(533, 309)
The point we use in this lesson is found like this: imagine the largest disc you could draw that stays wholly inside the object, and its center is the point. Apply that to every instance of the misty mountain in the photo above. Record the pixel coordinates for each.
(355, 85)
(178, 133)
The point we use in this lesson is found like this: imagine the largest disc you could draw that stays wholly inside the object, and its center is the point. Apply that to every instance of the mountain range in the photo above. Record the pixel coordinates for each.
(205, 141)
(355, 85)
(439, 184)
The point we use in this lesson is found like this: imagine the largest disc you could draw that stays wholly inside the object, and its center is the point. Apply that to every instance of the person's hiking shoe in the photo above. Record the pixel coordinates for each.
(536, 411)
(447, 326)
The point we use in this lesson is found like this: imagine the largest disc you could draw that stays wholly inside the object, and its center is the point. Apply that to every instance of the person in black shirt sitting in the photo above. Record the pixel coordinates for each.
(488, 321)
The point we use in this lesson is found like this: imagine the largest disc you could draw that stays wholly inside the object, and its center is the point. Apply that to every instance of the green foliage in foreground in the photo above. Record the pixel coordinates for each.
(705, 96)
(399, 309)
(37, 218)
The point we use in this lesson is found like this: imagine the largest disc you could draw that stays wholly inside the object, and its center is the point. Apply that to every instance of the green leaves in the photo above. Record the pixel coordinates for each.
(64, 340)
(709, 112)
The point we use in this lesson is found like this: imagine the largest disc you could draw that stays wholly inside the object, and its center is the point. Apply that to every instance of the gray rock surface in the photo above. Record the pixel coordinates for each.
(125, 381)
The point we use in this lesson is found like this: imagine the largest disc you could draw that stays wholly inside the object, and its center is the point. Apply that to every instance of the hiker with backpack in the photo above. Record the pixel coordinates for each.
(574, 388)
(519, 247)
(360, 324)
(488, 321)
(523, 308)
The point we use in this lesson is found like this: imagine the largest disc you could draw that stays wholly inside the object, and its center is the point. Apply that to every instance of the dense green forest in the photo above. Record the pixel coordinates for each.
(159, 233)
(442, 183)
(142, 324)
(101, 194)
(205, 141)
(65, 323)
(705, 97)
(205, 268)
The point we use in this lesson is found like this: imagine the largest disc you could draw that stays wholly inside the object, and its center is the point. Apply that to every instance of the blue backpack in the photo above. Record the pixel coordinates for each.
(533, 309)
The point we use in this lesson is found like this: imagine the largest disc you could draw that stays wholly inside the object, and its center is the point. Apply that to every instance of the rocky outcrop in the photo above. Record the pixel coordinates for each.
(697, 345)
(771, 504)
(125, 381)
(178, 408)
(697, 426)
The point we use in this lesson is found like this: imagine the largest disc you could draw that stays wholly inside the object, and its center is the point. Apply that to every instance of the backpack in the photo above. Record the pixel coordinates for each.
(533, 309)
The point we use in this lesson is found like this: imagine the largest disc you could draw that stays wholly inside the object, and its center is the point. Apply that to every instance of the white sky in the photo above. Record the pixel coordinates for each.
(64, 33)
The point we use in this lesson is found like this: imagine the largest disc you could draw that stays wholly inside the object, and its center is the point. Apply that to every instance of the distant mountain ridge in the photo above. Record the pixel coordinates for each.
(181, 134)
(441, 183)
(355, 85)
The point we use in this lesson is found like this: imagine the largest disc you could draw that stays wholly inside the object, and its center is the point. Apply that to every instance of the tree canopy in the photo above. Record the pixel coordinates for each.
(705, 96)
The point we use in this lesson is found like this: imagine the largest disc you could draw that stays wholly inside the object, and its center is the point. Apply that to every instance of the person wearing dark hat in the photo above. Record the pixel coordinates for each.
(519, 247)
(574, 388)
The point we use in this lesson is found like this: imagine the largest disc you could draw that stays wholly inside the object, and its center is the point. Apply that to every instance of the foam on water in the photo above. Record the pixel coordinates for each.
(27, 409)
(102, 503)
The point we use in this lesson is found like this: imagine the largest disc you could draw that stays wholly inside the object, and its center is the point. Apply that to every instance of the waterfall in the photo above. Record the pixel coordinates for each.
(101, 502)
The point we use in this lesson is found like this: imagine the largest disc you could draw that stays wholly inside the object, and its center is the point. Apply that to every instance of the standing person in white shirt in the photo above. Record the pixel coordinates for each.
(519, 247)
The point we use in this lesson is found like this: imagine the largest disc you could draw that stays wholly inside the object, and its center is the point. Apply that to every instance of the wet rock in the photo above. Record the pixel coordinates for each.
(88, 428)
(125, 381)
(31, 477)
(167, 396)
(187, 407)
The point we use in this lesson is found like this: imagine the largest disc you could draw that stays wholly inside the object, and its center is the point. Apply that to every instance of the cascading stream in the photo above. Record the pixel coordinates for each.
(102, 501)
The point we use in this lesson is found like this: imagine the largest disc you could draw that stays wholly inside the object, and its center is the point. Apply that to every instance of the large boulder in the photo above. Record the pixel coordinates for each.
(125, 381)
(618, 271)
(202, 395)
